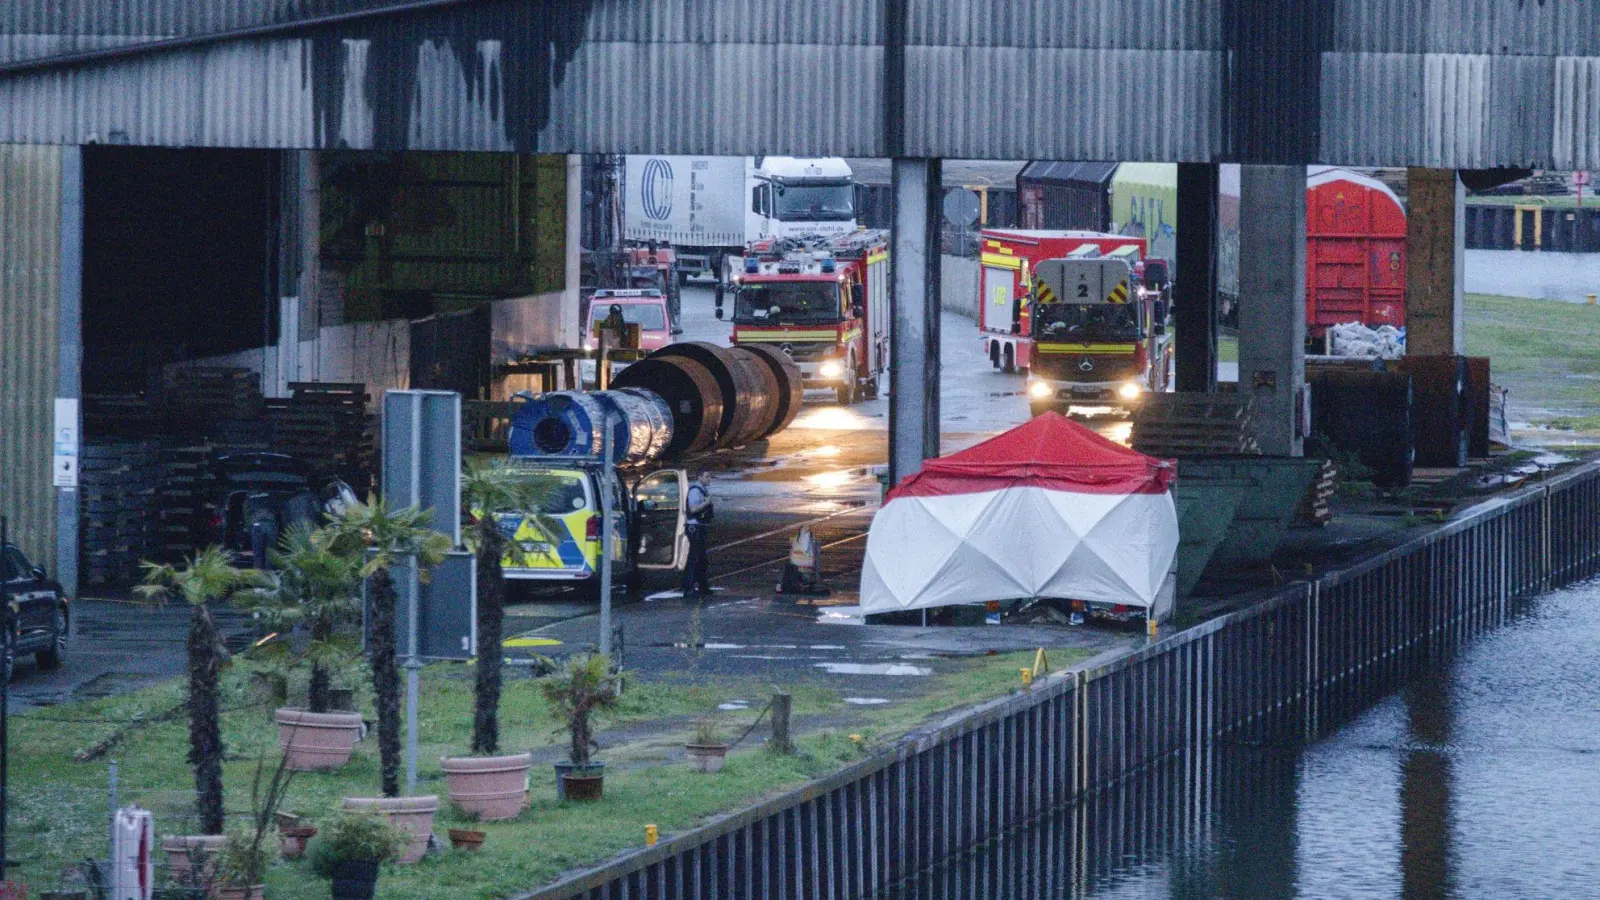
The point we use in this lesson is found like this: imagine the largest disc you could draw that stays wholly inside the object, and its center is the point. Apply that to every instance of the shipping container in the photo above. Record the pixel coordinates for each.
(1144, 203)
(1355, 251)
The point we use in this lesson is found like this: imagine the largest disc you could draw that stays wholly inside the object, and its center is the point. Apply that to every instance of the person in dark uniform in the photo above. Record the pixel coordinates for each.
(697, 571)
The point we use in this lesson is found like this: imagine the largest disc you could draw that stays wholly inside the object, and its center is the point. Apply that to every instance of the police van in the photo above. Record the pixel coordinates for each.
(559, 543)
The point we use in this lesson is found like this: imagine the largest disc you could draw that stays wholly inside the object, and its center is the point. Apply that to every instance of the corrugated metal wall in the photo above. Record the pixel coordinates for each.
(1361, 82)
(30, 259)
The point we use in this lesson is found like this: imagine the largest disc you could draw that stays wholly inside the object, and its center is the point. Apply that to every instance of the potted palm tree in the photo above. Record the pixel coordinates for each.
(316, 583)
(706, 748)
(584, 687)
(488, 784)
(388, 537)
(350, 851)
(209, 576)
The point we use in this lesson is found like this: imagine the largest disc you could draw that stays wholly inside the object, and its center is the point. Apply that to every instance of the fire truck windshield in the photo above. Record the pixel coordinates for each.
(815, 202)
(1086, 321)
(788, 302)
(649, 317)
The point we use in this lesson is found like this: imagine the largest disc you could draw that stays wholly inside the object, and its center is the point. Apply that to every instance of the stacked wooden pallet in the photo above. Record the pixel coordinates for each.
(124, 415)
(118, 530)
(186, 500)
(327, 425)
(1314, 508)
(1195, 425)
(206, 394)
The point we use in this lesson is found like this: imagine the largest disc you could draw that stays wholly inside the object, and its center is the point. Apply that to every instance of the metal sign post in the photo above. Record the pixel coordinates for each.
(606, 489)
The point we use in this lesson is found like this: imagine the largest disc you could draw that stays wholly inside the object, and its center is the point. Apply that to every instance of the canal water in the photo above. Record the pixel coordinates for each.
(1480, 779)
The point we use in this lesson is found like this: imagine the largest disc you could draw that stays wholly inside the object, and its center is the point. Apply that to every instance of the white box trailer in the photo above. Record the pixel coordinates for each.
(707, 208)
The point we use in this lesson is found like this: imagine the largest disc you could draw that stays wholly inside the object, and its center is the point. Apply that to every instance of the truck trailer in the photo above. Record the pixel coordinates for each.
(708, 208)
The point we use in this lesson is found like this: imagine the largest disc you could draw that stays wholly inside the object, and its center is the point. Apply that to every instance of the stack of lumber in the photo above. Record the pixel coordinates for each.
(1195, 425)
(1314, 509)
(201, 395)
(119, 527)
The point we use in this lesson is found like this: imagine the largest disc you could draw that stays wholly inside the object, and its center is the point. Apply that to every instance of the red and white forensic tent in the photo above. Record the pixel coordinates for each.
(1048, 509)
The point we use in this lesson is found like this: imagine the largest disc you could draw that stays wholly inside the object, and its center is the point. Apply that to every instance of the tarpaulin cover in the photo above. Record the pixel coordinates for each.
(1048, 509)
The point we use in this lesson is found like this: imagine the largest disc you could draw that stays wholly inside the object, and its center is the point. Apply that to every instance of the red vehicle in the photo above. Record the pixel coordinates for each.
(653, 265)
(1355, 252)
(824, 301)
(1006, 284)
(644, 307)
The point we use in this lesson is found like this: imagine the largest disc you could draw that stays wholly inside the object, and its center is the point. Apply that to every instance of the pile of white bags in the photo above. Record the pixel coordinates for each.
(1356, 339)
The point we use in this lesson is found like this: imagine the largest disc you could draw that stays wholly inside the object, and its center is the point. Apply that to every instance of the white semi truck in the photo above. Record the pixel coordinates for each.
(709, 207)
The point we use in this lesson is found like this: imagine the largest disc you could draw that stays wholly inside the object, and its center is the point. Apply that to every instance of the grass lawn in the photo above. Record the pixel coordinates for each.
(58, 804)
(1546, 352)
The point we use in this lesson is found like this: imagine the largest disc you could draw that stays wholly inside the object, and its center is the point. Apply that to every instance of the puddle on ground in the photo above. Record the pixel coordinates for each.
(826, 647)
(734, 705)
(872, 669)
(865, 701)
(840, 615)
(722, 646)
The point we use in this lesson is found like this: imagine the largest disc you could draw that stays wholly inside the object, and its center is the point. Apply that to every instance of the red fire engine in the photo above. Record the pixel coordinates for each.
(1006, 288)
(824, 301)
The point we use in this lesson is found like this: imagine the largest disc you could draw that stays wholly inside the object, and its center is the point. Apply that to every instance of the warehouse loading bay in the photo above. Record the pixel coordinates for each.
(242, 302)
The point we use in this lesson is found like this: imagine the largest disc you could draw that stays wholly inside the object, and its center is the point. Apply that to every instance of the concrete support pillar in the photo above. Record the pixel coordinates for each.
(574, 251)
(299, 265)
(1272, 300)
(1436, 245)
(914, 303)
(1195, 286)
(69, 357)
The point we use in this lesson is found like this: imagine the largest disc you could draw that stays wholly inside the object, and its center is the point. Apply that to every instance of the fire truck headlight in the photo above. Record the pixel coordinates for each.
(1040, 389)
(832, 369)
(1131, 390)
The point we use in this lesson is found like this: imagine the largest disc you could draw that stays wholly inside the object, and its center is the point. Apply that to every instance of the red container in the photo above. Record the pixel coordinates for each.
(1355, 252)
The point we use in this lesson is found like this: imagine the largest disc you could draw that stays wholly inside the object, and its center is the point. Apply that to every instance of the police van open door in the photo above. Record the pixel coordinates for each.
(660, 502)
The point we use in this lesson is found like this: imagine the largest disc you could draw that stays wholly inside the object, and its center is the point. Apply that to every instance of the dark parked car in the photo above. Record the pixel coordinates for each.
(41, 613)
(266, 494)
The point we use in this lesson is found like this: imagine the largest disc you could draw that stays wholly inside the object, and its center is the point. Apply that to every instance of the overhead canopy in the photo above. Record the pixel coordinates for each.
(1048, 509)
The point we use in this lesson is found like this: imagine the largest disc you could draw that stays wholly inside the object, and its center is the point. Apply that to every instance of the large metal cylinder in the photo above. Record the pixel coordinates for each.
(572, 423)
(692, 397)
(791, 387)
(749, 398)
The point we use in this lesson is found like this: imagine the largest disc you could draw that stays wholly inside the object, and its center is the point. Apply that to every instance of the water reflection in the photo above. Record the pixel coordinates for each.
(1479, 779)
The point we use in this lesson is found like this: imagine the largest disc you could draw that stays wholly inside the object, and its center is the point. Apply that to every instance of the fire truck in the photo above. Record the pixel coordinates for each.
(1100, 337)
(1005, 283)
(824, 300)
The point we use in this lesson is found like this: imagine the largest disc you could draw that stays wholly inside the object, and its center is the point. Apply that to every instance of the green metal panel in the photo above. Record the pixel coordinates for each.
(1265, 510)
(1205, 511)
(448, 230)
(30, 258)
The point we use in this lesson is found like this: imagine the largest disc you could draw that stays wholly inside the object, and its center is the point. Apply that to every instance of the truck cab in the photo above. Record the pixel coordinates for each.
(791, 196)
(559, 543)
(1100, 339)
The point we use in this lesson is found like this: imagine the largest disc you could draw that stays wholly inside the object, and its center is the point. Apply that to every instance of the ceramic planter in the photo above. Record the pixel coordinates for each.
(355, 879)
(413, 815)
(232, 892)
(317, 742)
(292, 841)
(184, 854)
(488, 787)
(707, 757)
(466, 839)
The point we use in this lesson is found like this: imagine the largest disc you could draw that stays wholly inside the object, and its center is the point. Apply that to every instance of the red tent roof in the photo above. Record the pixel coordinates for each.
(1049, 451)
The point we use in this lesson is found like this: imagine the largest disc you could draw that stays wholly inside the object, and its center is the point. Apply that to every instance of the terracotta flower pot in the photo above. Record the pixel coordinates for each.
(563, 769)
(233, 892)
(488, 787)
(466, 839)
(183, 857)
(584, 785)
(707, 758)
(315, 742)
(413, 815)
(292, 841)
